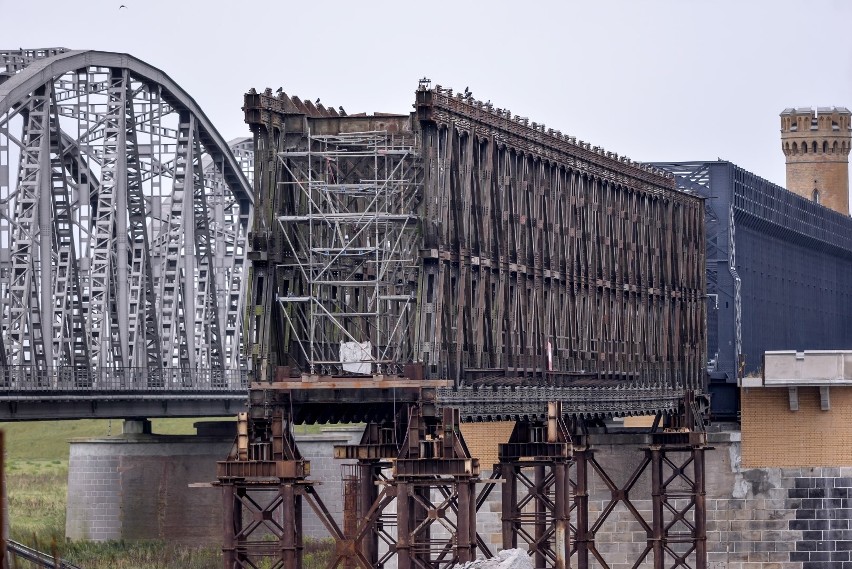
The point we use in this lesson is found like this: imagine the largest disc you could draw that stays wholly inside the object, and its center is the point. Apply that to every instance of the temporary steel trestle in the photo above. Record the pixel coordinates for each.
(536, 507)
(676, 532)
(411, 492)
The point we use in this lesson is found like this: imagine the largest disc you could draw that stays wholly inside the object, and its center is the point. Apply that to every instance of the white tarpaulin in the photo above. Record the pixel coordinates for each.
(356, 357)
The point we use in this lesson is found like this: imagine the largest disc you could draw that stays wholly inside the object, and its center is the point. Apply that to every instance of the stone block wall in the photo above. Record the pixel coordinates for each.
(328, 471)
(137, 487)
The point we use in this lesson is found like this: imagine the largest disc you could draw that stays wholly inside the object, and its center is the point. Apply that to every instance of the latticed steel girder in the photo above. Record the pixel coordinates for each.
(123, 219)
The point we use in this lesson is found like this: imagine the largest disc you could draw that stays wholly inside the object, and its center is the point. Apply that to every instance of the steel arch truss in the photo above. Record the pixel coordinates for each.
(123, 220)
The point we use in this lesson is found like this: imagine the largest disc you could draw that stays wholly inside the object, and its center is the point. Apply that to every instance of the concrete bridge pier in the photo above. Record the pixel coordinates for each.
(136, 427)
(136, 485)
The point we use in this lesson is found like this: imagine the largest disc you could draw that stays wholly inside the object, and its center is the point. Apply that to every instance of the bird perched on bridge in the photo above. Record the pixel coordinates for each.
(279, 90)
(317, 101)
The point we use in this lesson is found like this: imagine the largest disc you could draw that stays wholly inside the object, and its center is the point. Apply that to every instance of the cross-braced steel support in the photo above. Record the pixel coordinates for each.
(676, 530)
(366, 521)
(535, 465)
(434, 484)
(263, 520)
(264, 484)
(435, 480)
(432, 480)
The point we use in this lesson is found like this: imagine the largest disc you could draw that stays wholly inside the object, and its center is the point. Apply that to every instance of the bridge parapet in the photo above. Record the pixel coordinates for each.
(30, 379)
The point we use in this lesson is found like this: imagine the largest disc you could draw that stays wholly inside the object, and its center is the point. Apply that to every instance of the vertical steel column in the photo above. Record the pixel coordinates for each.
(466, 527)
(657, 537)
(472, 505)
(540, 521)
(700, 508)
(299, 536)
(508, 505)
(561, 514)
(581, 506)
(287, 540)
(46, 237)
(367, 495)
(351, 496)
(121, 245)
(403, 526)
(232, 522)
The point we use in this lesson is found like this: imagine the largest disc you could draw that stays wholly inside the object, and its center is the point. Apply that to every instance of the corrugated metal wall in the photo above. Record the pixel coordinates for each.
(792, 256)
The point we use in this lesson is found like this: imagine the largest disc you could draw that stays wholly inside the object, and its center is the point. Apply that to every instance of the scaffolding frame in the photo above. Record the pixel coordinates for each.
(351, 243)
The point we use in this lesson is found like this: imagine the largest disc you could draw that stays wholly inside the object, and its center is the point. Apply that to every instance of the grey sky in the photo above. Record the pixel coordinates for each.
(655, 80)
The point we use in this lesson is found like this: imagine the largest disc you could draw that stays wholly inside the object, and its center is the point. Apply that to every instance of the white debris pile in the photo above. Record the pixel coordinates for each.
(505, 559)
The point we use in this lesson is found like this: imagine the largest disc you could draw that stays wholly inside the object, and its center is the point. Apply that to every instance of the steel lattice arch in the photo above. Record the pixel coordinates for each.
(123, 224)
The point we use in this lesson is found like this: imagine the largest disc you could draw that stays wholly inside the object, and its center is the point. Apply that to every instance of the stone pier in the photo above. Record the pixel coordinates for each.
(136, 486)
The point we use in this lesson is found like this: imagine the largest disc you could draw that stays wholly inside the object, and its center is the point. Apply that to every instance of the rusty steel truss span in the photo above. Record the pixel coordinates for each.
(471, 245)
(413, 271)
(123, 223)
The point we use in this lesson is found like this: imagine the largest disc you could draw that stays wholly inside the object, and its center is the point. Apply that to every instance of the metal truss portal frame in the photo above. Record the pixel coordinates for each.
(123, 220)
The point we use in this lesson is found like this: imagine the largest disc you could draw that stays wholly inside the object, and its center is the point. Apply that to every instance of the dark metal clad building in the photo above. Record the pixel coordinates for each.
(778, 271)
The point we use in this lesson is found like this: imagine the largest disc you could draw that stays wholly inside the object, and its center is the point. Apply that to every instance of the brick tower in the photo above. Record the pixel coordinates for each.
(816, 145)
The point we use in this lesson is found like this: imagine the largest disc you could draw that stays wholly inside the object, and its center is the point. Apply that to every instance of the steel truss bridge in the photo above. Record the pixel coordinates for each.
(123, 224)
(400, 265)
(463, 264)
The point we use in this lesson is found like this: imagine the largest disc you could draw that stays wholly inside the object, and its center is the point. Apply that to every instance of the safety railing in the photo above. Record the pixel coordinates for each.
(69, 379)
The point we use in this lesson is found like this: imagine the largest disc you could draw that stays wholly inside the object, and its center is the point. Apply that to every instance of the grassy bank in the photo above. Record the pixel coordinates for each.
(48, 440)
(37, 485)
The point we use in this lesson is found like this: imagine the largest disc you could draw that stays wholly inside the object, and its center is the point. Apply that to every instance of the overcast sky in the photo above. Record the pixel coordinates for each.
(655, 80)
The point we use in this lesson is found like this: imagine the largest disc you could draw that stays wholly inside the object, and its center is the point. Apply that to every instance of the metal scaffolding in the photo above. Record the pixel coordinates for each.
(351, 246)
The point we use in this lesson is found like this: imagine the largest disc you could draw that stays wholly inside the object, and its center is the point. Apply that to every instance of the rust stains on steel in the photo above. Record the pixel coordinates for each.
(482, 120)
(489, 249)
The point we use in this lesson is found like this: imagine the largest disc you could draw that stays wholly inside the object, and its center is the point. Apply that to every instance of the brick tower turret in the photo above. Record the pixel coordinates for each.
(816, 145)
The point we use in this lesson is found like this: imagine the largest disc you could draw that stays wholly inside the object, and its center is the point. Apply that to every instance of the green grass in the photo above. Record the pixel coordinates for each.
(48, 440)
(37, 483)
(36, 499)
(140, 555)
